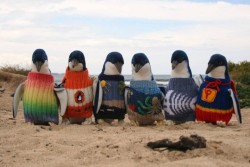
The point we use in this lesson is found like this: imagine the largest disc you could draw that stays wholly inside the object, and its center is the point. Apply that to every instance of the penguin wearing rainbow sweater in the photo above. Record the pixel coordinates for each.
(79, 88)
(181, 91)
(143, 97)
(217, 98)
(109, 102)
(40, 98)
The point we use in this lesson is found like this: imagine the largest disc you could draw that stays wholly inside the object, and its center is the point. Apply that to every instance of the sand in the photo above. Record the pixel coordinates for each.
(23, 144)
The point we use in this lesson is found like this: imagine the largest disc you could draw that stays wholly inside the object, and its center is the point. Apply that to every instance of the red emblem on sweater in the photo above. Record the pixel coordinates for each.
(79, 97)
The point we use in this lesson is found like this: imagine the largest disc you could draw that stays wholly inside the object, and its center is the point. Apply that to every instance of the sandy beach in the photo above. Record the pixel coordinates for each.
(23, 144)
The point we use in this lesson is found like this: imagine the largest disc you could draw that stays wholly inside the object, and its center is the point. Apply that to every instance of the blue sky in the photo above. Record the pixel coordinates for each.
(96, 27)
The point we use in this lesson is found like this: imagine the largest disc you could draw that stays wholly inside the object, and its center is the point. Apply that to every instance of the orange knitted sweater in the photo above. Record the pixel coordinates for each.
(79, 88)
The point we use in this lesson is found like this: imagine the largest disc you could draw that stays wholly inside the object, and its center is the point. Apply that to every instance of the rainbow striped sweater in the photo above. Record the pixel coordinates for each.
(214, 102)
(79, 87)
(39, 100)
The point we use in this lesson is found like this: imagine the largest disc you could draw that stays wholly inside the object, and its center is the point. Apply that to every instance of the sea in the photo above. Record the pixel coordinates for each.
(162, 80)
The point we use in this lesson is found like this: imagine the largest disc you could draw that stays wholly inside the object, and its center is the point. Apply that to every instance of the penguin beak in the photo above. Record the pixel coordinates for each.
(174, 64)
(118, 67)
(74, 63)
(38, 65)
(210, 68)
(137, 67)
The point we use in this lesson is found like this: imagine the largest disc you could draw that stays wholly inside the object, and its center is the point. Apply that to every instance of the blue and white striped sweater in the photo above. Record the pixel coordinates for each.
(180, 99)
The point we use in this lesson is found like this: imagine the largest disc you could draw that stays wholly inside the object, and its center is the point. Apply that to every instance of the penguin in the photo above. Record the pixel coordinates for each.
(109, 102)
(79, 88)
(181, 91)
(143, 96)
(40, 98)
(217, 97)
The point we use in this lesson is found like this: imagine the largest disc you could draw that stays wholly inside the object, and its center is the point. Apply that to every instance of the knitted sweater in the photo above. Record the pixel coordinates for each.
(180, 99)
(112, 105)
(214, 102)
(79, 87)
(39, 100)
(145, 97)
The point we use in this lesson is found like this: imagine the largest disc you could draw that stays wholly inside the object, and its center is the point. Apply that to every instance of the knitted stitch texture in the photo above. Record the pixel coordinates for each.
(39, 100)
(180, 99)
(214, 102)
(144, 102)
(79, 87)
(113, 105)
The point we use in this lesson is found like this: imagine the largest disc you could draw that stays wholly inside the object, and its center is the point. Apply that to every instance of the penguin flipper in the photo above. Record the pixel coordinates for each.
(198, 79)
(62, 96)
(98, 97)
(126, 90)
(17, 98)
(236, 105)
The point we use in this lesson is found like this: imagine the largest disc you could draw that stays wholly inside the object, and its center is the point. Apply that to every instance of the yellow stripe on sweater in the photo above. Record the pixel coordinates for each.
(213, 110)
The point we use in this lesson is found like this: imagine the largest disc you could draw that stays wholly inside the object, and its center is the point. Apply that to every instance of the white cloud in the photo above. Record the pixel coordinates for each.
(203, 29)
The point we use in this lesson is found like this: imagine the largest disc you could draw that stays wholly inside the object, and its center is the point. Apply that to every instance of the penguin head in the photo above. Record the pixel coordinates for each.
(217, 67)
(180, 65)
(141, 68)
(113, 64)
(40, 62)
(76, 61)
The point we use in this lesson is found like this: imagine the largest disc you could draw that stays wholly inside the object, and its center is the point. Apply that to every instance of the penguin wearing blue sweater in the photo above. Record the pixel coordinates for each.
(217, 98)
(181, 91)
(109, 91)
(143, 97)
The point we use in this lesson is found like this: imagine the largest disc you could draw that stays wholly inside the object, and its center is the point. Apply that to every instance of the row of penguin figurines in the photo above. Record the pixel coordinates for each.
(79, 97)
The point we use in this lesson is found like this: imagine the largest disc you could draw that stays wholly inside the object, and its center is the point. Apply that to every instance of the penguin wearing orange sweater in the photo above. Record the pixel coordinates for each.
(79, 88)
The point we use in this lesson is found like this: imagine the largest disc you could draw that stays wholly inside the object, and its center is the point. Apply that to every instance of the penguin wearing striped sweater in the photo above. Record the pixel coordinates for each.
(181, 91)
(40, 104)
(79, 88)
(143, 97)
(217, 98)
(109, 102)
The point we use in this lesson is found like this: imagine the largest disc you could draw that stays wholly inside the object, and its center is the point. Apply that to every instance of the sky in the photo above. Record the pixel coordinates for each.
(156, 28)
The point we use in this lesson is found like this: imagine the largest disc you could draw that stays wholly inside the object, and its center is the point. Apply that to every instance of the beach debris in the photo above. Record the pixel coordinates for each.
(185, 143)
(2, 90)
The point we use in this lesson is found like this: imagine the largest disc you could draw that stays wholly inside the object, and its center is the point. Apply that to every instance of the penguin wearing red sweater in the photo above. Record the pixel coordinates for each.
(109, 102)
(217, 97)
(79, 88)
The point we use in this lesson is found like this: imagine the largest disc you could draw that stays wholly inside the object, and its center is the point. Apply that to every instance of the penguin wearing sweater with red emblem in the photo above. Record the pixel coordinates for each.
(79, 88)
(217, 97)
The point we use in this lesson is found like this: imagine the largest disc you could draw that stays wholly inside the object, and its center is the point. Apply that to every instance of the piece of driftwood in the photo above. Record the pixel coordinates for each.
(184, 144)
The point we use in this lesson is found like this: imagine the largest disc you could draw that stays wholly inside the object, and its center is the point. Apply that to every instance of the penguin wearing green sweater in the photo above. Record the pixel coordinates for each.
(79, 88)
(143, 97)
(217, 97)
(181, 91)
(40, 98)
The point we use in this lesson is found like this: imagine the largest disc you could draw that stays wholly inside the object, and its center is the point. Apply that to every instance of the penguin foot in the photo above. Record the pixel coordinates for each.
(87, 121)
(169, 122)
(103, 122)
(121, 122)
(29, 123)
(65, 121)
(160, 123)
(133, 123)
